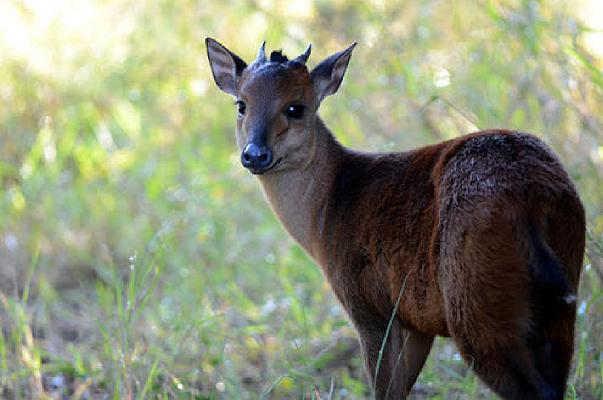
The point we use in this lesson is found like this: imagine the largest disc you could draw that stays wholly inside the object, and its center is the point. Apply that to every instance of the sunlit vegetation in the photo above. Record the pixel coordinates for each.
(139, 260)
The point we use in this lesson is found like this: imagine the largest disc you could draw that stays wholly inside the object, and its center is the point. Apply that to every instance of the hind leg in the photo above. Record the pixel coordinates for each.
(494, 344)
(486, 290)
(509, 371)
(497, 349)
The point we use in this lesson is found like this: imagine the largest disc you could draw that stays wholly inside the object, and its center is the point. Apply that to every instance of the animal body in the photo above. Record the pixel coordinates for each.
(479, 238)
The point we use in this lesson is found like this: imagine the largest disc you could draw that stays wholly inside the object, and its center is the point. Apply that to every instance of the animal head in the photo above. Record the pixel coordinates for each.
(276, 102)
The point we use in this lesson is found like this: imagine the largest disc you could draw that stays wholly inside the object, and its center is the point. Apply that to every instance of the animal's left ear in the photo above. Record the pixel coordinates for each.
(327, 75)
(226, 66)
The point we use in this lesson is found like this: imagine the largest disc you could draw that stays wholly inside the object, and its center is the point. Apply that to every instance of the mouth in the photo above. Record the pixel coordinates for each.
(264, 170)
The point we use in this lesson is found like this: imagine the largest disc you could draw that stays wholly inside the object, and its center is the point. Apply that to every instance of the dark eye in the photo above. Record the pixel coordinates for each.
(295, 111)
(241, 108)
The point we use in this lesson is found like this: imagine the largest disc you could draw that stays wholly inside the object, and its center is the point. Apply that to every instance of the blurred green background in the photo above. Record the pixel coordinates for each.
(139, 260)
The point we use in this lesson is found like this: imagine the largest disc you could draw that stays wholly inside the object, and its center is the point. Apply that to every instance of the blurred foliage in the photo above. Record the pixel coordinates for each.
(138, 259)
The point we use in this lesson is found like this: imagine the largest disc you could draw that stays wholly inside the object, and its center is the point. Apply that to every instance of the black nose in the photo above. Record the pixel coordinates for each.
(256, 158)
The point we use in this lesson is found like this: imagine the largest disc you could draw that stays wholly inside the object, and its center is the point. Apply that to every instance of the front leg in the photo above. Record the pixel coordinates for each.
(416, 349)
(403, 357)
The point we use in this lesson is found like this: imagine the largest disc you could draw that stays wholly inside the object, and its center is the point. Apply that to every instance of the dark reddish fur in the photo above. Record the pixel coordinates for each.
(481, 237)
(451, 223)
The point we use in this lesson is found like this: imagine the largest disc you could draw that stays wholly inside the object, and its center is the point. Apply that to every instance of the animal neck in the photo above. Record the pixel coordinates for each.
(299, 196)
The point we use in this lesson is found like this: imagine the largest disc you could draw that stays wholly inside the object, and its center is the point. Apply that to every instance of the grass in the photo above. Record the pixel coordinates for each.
(138, 260)
(126, 367)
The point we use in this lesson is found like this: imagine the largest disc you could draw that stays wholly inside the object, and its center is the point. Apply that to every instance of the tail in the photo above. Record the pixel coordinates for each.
(548, 273)
(553, 307)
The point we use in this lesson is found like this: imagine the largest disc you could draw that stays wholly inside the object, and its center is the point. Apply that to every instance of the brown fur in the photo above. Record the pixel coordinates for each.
(481, 238)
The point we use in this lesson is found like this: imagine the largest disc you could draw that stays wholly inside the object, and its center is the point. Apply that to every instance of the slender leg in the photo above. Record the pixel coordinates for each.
(403, 357)
(416, 347)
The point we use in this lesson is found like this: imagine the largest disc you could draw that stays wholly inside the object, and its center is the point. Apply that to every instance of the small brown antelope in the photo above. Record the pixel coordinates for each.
(480, 238)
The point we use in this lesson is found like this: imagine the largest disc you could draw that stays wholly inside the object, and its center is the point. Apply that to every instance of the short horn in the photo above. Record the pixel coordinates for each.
(303, 58)
(261, 58)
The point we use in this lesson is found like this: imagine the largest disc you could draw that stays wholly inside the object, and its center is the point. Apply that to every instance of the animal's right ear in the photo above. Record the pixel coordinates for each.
(226, 66)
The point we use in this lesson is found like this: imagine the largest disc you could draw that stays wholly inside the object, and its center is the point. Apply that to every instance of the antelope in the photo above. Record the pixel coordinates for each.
(478, 238)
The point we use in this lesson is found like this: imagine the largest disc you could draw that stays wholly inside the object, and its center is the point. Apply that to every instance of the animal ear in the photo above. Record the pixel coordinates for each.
(226, 66)
(327, 75)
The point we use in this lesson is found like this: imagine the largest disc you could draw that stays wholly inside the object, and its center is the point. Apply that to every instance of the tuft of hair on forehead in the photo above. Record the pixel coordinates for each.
(278, 57)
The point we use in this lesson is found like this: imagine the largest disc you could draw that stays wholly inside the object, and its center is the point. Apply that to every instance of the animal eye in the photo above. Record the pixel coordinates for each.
(295, 111)
(241, 107)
